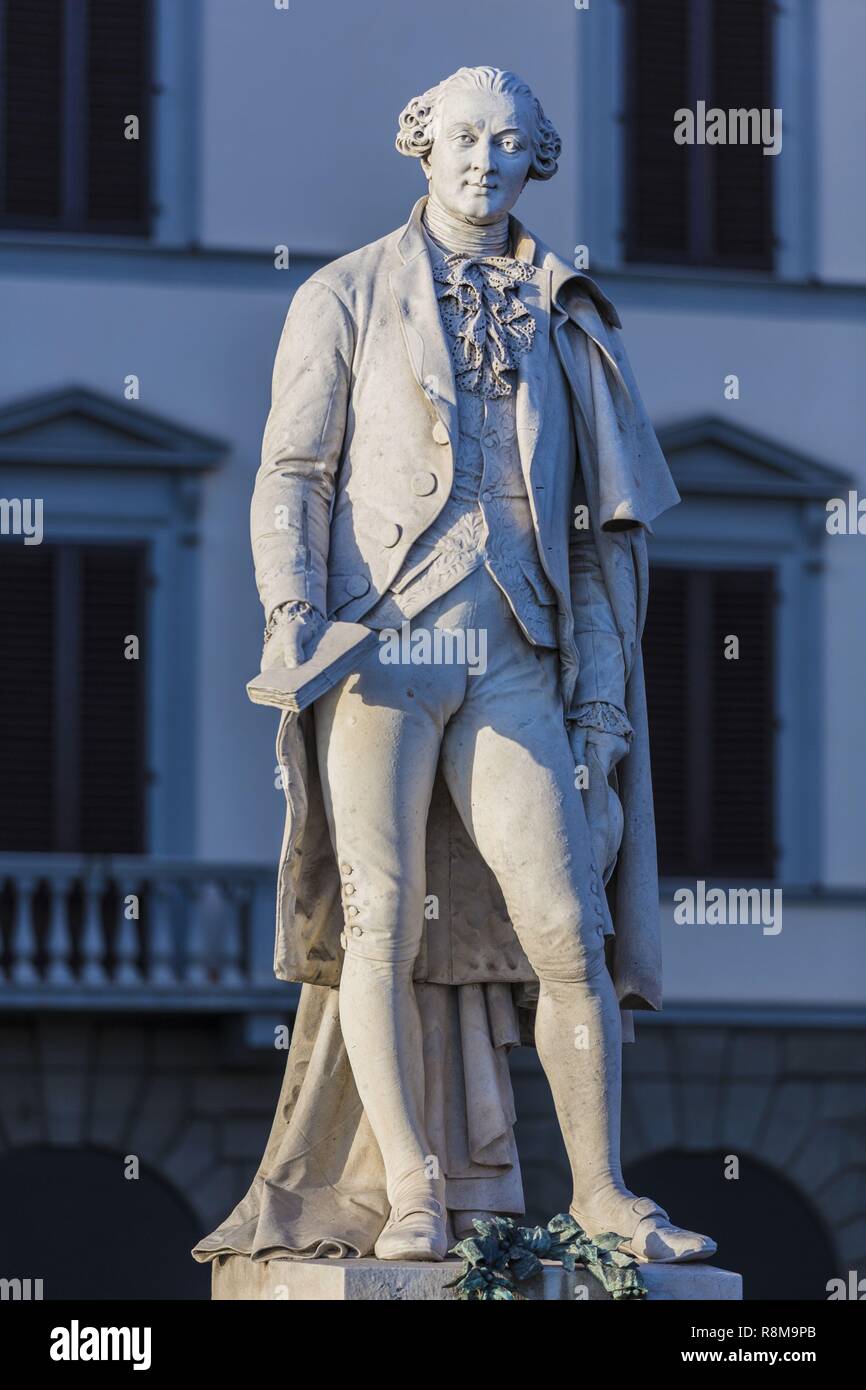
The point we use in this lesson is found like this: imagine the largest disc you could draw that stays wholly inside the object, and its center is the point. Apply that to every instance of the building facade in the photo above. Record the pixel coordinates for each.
(170, 174)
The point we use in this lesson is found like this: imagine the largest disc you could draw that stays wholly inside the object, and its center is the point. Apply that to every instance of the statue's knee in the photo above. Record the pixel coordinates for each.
(360, 964)
(578, 959)
(386, 928)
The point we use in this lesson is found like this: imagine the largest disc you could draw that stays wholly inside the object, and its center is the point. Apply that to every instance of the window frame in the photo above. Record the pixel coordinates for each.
(65, 633)
(169, 785)
(173, 151)
(723, 533)
(72, 220)
(700, 252)
(141, 486)
(600, 211)
(698, 848)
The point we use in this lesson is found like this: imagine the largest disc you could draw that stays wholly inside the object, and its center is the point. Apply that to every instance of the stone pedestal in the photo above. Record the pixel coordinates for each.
(378, 1281)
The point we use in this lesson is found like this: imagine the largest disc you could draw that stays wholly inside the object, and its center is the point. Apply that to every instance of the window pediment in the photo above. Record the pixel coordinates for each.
(79, 427)
(710, 455)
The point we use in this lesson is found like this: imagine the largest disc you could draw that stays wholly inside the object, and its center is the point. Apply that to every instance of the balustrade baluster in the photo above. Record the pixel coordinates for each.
(230, 947)
(23, 970)
(93, 970)
(195, 943)
(59, 944)
(160, 952)
(127, 971)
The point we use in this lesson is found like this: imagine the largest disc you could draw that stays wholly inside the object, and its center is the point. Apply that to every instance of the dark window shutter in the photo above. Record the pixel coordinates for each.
(112, 761)
(712, 720)
(31, 81)
(72, 709)
(658, 83)
(117, 86)
(742, 724)
(72, 71)
(742, 79)
(27, 656)
(697, 204)
(666, 662)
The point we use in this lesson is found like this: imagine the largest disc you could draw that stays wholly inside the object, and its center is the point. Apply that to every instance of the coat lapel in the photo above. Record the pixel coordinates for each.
(423, 335)
(533, 367)
(532, 373)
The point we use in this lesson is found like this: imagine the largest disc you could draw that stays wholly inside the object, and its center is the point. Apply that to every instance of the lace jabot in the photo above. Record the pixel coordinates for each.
(488, 326)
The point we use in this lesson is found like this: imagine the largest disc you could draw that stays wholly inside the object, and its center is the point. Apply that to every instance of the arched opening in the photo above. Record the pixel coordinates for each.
(72, 1219)
(765, 1228)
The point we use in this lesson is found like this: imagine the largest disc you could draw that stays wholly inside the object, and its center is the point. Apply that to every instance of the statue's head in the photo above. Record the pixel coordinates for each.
(480, 135)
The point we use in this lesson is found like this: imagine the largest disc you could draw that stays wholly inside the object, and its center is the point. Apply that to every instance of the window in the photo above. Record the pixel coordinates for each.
(712, 720)
(71, 72)
(72, 736)
(738, 759)
(110, 742)
(697, 204)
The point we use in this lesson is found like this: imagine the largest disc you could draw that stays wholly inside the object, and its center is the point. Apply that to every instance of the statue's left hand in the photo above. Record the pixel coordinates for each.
(608, 748)
(599, 752)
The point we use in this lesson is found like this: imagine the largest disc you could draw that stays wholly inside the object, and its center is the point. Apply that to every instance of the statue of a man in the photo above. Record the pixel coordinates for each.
(457, 453)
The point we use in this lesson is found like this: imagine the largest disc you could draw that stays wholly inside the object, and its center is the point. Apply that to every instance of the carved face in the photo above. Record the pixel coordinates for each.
(482, 152)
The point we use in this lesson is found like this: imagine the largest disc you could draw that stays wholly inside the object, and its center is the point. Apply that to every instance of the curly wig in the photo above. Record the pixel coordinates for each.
(418, 119)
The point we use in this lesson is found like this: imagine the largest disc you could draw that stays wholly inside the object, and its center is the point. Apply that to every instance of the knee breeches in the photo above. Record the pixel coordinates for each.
(501, 737)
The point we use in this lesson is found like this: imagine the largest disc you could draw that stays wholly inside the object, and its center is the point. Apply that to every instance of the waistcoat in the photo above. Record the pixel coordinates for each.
(487, 518)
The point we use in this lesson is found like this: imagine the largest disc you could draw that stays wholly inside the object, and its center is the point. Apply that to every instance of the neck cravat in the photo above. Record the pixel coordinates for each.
(489, 327)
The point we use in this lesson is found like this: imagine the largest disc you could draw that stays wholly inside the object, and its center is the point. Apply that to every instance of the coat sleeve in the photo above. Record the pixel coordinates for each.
(301, 450)
(602, 674)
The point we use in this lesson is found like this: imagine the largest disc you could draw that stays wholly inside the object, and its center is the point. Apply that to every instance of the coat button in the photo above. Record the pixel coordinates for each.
(348, 889)
(390, 533)
(423, 484)
(357, 931)
(357, 585)
(440, 434)
(345, 868)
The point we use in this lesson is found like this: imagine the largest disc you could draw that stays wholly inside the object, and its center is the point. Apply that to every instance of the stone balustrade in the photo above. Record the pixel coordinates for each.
(118, 931)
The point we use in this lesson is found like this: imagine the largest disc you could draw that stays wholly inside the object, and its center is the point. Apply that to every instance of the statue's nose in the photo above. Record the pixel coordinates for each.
(485, 160)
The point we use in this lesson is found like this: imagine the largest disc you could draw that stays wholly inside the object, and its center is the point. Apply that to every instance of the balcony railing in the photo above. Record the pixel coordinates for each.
(135, 932)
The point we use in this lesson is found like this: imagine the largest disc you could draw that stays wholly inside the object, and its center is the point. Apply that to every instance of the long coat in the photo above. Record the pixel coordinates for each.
(357, 461)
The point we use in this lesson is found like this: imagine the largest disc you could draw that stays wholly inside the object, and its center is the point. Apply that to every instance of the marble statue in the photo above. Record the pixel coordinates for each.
(457, 456)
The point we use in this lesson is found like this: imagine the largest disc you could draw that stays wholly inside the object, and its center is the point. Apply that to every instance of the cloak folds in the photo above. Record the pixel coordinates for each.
(320, 1187)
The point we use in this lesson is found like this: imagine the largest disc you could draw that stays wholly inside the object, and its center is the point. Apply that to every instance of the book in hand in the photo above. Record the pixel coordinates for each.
(336, 653)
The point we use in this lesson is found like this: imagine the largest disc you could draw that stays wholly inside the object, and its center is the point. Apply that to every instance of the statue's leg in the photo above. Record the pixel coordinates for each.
(508, 764)
(378, 739)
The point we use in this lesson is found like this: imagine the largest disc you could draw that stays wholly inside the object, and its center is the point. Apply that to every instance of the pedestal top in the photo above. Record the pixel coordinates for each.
(379, 1281)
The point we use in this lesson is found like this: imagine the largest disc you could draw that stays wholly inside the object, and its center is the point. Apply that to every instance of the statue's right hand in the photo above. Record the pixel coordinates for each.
(291, 636)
